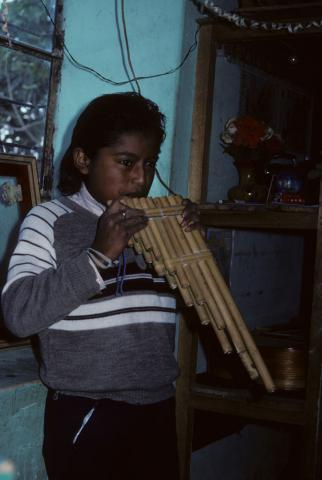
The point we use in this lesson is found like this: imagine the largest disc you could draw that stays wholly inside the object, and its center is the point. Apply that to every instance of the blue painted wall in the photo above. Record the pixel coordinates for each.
(155, 38)
(22, 400)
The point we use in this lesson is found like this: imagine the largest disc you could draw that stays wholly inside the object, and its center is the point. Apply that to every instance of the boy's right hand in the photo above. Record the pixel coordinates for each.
(116, 226)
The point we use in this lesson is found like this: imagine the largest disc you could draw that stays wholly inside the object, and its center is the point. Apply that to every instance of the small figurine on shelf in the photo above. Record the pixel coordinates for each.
(288, 185)
(287, 177)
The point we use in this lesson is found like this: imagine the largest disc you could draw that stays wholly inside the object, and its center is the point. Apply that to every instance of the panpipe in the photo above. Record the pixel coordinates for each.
(187, 263)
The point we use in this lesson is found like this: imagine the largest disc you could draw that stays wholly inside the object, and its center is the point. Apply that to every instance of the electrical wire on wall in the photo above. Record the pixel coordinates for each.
(127, 47)
(105, 79)
(126, 60)
(132, 78)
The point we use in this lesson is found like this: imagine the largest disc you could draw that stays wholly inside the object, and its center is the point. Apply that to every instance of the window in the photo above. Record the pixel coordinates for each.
(30, 58)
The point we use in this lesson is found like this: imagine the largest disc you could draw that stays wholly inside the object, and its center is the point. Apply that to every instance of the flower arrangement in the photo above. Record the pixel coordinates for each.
(250, 141)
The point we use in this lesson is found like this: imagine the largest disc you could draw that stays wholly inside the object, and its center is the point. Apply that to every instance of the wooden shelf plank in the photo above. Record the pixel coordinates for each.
(293, 218)
(275, 408)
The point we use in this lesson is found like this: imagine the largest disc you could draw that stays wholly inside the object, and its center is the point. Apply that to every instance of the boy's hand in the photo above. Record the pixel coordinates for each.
(116, 226)
(191, 216)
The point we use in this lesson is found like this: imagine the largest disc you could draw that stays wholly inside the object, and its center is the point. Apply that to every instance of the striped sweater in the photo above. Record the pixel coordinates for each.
(93, 343)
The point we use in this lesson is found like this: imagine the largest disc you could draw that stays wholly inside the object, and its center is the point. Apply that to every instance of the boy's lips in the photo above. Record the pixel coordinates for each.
(133, 194)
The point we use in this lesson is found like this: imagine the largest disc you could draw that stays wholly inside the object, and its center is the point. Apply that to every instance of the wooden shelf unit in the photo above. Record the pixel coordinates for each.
(191, 394)
(278, 217)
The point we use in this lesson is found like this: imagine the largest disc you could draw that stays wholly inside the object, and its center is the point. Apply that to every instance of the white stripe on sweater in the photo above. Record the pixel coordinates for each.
(36, 239)
(144, 300)
(133, 318)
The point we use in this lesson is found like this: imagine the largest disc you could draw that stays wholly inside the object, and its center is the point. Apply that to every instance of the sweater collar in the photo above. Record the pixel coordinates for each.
(84, 199)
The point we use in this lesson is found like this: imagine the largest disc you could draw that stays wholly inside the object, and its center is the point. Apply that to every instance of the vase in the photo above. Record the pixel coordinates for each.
(247, 190)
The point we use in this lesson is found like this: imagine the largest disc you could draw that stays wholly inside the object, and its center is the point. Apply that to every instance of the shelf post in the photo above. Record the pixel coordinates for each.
(187, 359)
(313, 403)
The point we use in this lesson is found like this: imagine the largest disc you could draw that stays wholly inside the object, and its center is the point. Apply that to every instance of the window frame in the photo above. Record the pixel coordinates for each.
(55, 57)
(45, 175)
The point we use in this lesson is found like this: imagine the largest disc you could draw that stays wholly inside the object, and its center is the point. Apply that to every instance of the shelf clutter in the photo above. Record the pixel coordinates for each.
(298, 401)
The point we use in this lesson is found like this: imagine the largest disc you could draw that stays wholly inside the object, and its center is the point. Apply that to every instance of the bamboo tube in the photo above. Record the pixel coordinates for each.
(137, 245)
(197, 242)
(161, 251)
(222, 307)
(240, 324)
(187, 263)
(185, 287)
(180, 244)
(158, 211)
(152, 230)
(170, 245)
(221, 337)
(212, 306)
(188, 235)
(145, 240)
(186, 295)
(198, 294)
(196, 286)
(149, 232)
(180, 234)
(202, 313)
(168, 235)
(157, 237)
(186, 250)
(184, 279)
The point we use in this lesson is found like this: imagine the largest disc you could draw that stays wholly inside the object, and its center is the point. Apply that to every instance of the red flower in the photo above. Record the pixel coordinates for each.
(250, 132)
(250, 141)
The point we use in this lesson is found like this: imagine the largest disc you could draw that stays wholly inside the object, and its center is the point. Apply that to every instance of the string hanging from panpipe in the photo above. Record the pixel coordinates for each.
(187, 263)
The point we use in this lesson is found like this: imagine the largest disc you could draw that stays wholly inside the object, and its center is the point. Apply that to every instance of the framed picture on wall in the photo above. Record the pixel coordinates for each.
(19, 192)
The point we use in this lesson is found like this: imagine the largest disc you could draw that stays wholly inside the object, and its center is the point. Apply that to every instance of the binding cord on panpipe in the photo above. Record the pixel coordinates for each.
(187, 263)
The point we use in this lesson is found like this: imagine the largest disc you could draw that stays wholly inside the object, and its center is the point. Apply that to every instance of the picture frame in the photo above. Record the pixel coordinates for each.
(24, 169)
(19, 192)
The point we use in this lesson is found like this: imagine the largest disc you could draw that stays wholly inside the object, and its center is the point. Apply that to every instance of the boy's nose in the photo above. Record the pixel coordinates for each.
(139, 176)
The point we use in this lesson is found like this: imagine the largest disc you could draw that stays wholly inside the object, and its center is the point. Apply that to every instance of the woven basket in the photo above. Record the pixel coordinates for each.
(286, 365)
(283, 352)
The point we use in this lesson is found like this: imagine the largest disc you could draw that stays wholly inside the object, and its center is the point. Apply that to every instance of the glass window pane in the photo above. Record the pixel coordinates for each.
(24, 85)
(28, 22)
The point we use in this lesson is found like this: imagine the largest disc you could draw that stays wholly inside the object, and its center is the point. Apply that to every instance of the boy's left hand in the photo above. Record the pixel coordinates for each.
(191, 216)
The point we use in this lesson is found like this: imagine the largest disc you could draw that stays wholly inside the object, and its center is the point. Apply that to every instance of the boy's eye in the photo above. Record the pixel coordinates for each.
(127, 162)
(151, 164)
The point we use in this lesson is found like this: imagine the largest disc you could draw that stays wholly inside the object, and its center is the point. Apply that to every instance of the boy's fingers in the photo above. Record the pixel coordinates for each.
(115, 206)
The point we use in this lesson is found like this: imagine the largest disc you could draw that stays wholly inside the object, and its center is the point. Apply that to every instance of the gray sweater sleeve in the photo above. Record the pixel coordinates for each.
(41, 290)
(34, 302)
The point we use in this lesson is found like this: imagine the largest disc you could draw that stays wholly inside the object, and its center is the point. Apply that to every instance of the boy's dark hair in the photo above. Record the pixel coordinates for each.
(101, 124)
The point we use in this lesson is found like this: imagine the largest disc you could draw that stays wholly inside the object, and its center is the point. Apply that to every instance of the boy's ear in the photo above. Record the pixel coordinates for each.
(81, 160)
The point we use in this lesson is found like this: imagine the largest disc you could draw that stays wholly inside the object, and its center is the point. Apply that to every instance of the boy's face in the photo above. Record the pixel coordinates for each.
(126, 168)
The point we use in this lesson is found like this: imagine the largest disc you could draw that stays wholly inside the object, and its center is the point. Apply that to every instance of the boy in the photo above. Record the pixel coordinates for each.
(105, 321)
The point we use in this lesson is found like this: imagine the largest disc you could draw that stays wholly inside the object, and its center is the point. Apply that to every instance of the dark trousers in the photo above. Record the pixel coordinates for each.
(120, 441)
